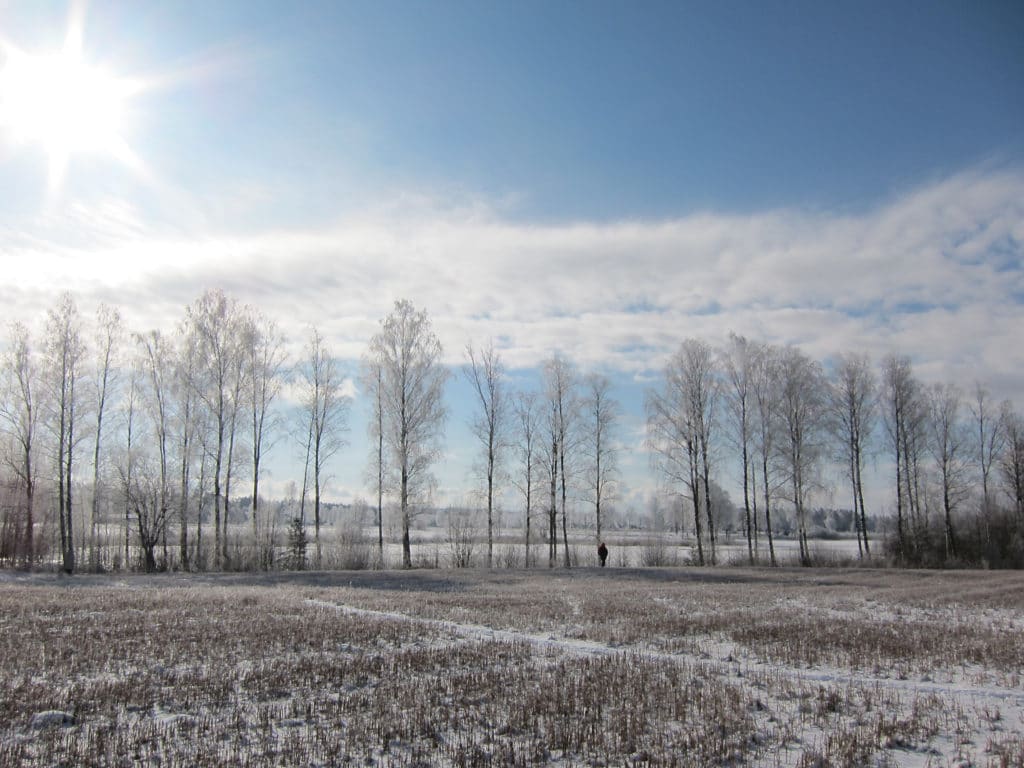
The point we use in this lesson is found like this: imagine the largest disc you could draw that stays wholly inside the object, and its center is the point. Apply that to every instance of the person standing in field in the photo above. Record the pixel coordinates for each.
(602, 553)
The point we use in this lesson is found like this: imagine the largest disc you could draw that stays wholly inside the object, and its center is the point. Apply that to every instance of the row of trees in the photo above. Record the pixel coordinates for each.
(550, 445)
(958, 461)
(195, 413)
(555, 444)
(168, 426)
(195, 410)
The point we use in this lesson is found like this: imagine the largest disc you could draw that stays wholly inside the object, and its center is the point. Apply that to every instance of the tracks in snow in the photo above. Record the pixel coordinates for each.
(725, 666)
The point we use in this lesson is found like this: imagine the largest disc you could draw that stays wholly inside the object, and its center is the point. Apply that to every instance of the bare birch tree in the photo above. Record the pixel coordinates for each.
(129, 457)
(669, 443)
(948, 445)
(144, 465)
(146, 499)
(903, 415)
(682, 420)
(376, 472)
(213, 317)
(188, 424)
(235, 457)
(108, 337)
(408, 354)
(989, 440)
(738, 362)
(767, 400)
(601, 417)
(204, 436)
(527, 440)
(149, 485)
(327, 414)
(550, 452)
(674, 445)
(703, 388)
(20, 413)
(263, 346)
(853, 403)
(485, 374)
(562, 392)
(64, 352)
(803, 413)
(1011, 462)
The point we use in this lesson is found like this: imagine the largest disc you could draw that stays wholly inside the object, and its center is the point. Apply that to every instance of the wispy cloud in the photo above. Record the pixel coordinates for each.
(936, 272)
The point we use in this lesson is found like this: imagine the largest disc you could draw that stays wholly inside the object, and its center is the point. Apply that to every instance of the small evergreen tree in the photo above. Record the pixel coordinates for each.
(297, 544)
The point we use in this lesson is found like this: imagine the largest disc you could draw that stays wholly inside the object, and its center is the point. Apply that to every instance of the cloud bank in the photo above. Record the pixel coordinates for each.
(936, 273)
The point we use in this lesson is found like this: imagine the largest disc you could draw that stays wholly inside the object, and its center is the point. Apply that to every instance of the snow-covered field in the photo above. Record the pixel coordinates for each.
(615, 666)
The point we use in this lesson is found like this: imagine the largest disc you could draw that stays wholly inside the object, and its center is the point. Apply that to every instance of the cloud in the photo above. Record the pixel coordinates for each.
(936, 273)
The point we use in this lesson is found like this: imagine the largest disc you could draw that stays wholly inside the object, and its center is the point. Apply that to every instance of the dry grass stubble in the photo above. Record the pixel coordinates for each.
(696, 671)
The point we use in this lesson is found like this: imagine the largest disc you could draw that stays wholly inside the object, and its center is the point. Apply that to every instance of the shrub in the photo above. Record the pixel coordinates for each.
(656, 553)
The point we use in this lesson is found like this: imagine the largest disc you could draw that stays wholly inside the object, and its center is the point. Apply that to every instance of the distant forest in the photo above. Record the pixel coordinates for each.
(145, 449)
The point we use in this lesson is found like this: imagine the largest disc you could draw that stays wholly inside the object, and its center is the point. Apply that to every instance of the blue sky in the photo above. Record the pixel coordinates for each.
(560, 110)
(599, 178)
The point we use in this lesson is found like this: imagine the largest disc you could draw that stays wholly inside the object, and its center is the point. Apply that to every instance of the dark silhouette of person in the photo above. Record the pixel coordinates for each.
(602, 553)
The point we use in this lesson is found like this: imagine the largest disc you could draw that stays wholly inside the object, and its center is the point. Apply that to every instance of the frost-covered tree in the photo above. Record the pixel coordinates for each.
(600, 415)
(408, 353)
(901, 409)
(109, 330)
(131, 451)
(670, 442)
(738, 363)
(485, 374)
(561, 388)
(988, 445)
(768, 403)
(948, 445)
(376, 470)
(149, 486)
(64, 354)
(1011, 463)
(681, 421)
(188, 433)
(147, 502)
(527, 439)
(265, 362)
(802, 400)
(326, 408)
(214, 319)
(19, 417)
(853, 405)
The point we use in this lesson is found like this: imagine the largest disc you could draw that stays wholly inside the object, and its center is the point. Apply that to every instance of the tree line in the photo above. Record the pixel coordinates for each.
(957, 459)
(160, 430)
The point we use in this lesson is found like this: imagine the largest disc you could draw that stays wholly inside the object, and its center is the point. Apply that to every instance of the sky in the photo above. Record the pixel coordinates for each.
(600, 179)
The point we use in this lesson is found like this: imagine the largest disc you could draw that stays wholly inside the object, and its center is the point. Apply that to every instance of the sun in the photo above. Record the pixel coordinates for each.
(64, 105)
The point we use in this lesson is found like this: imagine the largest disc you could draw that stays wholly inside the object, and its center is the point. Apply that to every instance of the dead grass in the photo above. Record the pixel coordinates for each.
(695, 668)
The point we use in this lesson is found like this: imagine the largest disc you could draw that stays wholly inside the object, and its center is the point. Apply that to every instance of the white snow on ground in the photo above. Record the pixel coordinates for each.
(982, 703)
